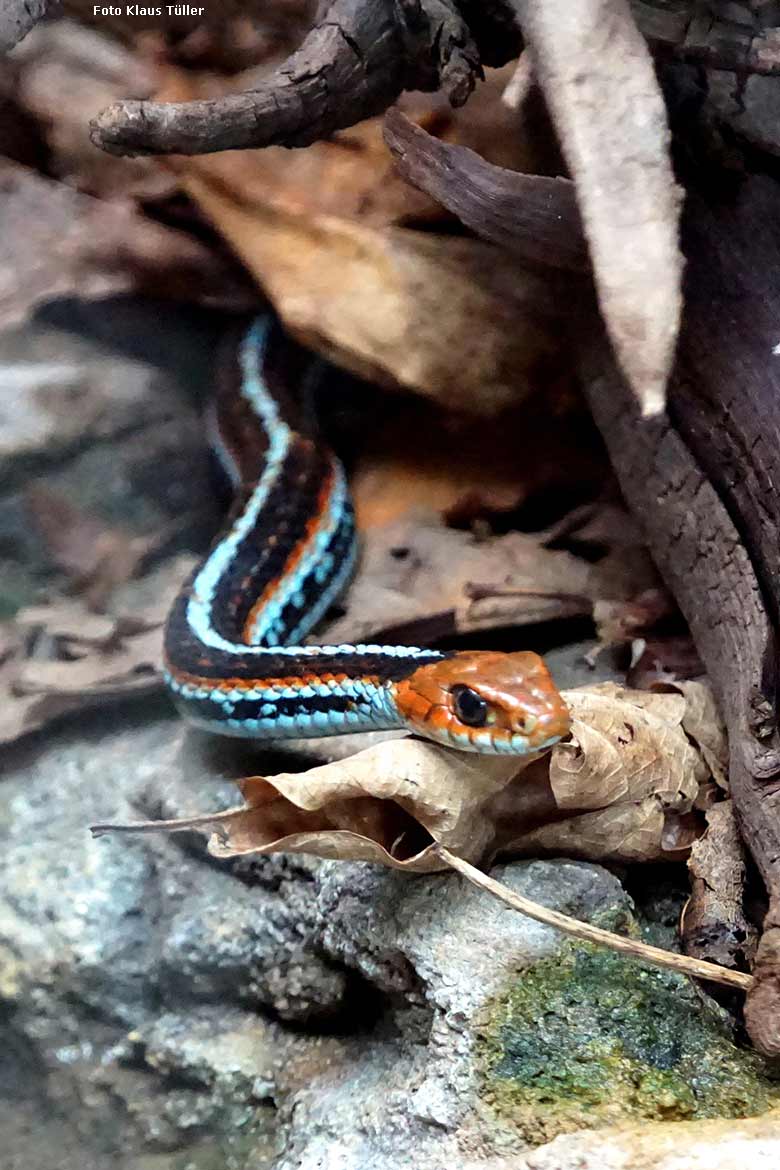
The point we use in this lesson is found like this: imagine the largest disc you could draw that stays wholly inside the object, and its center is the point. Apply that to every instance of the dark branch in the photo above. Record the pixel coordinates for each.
(533, 216)
(351, 66)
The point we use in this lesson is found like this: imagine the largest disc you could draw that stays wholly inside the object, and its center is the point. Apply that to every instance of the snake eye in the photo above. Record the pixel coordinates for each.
(470, 707)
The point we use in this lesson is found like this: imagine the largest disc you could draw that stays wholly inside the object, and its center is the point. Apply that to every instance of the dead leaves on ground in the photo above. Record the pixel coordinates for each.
(96, 557)
(627, 786)
(59, 659)
(419, 580)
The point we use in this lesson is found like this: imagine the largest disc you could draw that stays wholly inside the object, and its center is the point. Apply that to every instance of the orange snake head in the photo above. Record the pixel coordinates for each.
(484, 701)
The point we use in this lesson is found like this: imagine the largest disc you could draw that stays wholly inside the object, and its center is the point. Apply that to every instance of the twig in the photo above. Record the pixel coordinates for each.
(696, 968)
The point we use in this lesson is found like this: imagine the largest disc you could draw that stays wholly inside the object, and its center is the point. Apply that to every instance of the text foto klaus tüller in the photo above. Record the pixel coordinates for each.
(143, 10)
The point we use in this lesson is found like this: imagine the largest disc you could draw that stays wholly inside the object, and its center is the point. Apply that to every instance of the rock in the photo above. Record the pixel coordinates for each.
(132, 969)
(149, 990)
(439, 950)
(117, 435)
(695, 1145)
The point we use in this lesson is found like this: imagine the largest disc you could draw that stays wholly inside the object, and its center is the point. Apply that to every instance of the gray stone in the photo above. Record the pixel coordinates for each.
(135, 966)
(117, 435)
(440, 951)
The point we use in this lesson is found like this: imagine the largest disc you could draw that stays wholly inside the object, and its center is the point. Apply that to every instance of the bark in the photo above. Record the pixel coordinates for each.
(746, 40)
(700, 478)
(362, 55)
(700, 552)
(352, 65)
(534, 216)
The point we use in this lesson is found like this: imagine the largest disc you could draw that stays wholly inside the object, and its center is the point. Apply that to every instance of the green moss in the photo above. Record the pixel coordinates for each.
(590, 1038)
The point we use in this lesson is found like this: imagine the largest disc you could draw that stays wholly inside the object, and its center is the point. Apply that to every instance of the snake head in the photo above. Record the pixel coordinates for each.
(484, 701)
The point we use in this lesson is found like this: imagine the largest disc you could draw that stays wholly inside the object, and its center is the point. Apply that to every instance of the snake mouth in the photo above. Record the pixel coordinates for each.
(496, 742)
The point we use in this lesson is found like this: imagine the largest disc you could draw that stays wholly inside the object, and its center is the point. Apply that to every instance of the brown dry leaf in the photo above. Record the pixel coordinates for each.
(702, 723)
(618, 622)
(419, 580)
(55, 242)
(623, 788)
(62, 659)
(631, 775)
(443, 316)
(598, 78)
(449, 318)
(470, 469)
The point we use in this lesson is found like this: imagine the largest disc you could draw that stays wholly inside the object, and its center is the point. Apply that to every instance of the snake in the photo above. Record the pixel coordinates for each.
(236, 661)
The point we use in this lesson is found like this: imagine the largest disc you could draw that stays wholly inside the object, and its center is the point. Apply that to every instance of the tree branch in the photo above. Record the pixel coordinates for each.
(633, 948)
(351, 66)
(533, 216)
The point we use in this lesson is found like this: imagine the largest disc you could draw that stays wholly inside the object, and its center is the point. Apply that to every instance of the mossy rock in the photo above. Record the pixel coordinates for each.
(590, 1039)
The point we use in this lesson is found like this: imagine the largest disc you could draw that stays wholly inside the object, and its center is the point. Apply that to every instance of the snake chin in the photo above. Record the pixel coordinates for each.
(485, 701)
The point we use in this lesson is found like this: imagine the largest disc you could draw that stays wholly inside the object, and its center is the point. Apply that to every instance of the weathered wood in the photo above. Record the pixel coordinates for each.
(531, 215)
(701, 481)
(353, 64)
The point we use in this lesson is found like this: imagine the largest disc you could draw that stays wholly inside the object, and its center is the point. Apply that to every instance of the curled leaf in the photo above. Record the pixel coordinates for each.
(623, 788)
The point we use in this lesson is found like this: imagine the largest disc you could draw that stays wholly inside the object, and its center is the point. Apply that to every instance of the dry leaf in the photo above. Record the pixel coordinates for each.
(618, 622)
(419, 580)
(630, 775)
(446, 317)
(623, 788)
(61, 659)
(443, 316)
(599, 81)
(470, 469)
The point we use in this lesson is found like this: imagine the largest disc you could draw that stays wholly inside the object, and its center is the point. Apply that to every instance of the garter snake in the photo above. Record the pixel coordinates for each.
(235, 661)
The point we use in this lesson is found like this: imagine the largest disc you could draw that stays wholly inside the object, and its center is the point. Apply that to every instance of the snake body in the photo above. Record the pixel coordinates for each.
(235, 662)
